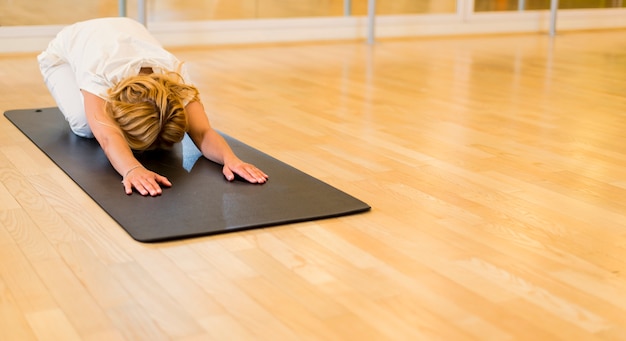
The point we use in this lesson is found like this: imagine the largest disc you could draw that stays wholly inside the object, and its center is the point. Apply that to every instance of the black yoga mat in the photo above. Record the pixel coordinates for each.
(201, 201)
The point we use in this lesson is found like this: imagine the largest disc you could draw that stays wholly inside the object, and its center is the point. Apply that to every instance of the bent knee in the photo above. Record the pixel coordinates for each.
(76, 118)
(81, 129)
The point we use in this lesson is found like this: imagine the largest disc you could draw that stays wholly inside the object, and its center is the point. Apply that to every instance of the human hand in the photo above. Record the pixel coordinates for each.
(245, 170)
(145, 181)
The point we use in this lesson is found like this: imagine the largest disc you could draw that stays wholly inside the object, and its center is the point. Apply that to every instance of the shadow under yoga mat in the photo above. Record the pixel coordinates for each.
(201, 201)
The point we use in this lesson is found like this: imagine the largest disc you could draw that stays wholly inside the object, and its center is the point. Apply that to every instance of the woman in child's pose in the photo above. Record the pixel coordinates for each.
(114, 81)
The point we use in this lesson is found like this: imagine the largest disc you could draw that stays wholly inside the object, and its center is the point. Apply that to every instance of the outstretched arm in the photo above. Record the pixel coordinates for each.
(216, 149)
(116, 149)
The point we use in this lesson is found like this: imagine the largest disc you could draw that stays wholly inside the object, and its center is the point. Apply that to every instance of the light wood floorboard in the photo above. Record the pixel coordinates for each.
(495, 166)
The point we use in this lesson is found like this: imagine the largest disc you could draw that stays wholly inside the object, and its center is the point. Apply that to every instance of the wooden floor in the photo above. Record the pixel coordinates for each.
(495, 166)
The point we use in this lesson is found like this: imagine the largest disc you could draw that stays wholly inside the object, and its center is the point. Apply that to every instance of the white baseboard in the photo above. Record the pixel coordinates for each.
(15, 39)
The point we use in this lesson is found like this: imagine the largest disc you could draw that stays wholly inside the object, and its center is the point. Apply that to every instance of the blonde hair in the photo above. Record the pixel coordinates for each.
(150, 109)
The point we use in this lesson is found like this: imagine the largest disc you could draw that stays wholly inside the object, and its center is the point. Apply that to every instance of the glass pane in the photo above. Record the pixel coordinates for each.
(53, 12)
(496, 5)
(180, 10)
(571, 4)
(175, 10)
(299, 8)
(59, 12)
(196, 10)
(514, 5)
(393, 7)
